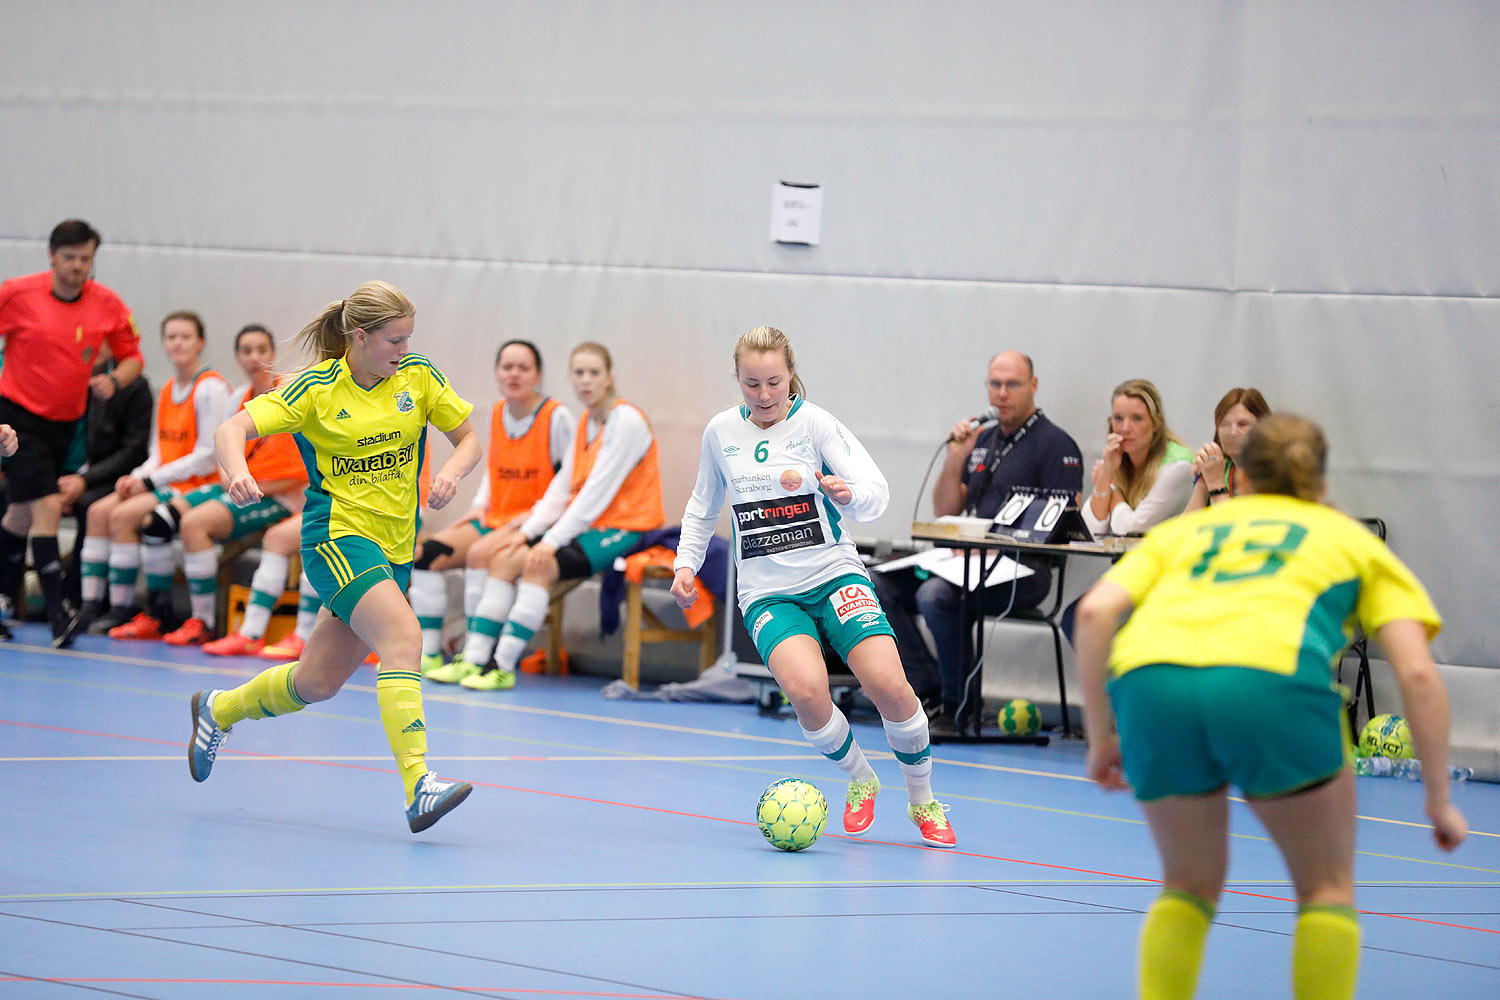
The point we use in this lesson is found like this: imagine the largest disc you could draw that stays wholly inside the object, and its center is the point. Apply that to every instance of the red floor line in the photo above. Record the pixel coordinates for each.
(741, 822)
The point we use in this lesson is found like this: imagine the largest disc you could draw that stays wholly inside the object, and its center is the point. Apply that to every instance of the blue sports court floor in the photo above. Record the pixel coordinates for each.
(609, 850)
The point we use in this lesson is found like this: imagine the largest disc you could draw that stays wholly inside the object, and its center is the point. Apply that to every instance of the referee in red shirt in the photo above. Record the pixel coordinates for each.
(52, 324)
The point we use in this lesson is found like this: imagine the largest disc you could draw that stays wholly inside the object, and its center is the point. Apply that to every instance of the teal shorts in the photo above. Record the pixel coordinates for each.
(844, 612)
(1193, 730)
(243, 520)
(480, 526)
(194, 498)
(342, 570)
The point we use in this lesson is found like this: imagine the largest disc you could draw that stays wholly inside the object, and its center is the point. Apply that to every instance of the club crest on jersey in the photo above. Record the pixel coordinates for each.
(404, 401)
(853, 600)
(790, 480)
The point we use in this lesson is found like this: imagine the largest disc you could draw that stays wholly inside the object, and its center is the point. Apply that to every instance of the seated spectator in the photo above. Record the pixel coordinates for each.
(1213, 467)
(530, 435)
(206, 515)
(133, 526)
(1146, 474)
(277, 546)
(1023, 448)
(606, 494)
(116, 437)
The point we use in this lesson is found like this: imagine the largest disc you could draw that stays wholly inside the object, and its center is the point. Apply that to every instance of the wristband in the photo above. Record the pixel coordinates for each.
(1221, 491)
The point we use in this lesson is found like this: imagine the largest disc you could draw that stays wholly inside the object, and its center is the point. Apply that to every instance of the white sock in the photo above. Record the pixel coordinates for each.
(473, 589)
(526, 616)
(201, 570)
(308, 606)
(266, 588)
(489, 617)
(124, 571)
(428, 594)
(836, 742)
(95, 564)
(914, 753)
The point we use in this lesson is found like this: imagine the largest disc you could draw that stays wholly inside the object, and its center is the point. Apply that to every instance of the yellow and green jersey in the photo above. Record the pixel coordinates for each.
(363, 448)
(1263, 581)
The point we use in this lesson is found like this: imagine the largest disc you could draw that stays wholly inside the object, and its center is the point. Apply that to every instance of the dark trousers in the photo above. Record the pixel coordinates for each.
(939, 602)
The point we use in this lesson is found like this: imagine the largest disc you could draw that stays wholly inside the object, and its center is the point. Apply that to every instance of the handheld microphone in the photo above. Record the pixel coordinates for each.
(990, 415)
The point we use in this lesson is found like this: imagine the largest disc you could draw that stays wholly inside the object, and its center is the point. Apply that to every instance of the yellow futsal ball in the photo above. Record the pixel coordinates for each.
(792, 814)
(1019, 717)
(1385, 736)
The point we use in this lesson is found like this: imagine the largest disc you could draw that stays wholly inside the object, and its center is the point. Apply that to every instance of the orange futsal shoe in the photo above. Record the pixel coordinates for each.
(192, 633)
(859, 806)
(286, 650)
(932, 820)
(536, 663)
(142, 626)
(235, 644)
(373, 658)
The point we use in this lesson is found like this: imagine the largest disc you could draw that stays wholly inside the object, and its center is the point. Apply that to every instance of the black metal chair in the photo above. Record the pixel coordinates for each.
(1359, 648)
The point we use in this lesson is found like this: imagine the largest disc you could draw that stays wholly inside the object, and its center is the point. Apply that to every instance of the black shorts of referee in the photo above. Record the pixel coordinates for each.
(41, 453)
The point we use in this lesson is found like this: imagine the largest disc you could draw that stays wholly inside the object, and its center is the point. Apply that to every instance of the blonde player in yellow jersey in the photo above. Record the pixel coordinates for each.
(360, 418)
(1224, 676)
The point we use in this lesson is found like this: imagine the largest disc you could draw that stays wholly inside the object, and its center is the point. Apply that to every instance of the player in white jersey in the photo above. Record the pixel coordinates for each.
(792, 473)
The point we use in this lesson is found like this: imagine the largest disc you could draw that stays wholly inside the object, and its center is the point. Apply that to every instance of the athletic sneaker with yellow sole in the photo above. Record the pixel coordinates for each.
(453, 673)
(493, 679)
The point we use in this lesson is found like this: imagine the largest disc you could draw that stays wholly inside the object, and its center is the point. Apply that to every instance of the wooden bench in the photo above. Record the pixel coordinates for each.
(642, 625)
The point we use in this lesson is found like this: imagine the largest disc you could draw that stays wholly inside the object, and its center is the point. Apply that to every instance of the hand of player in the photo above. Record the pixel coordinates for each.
(1449, 828)
(243, 490)
(444, 488)
(129, 486)
(1103, 764)
(540, 559)
(102, 386)
(835, 489)
(70, 487)
(8, 440)
(684, 590)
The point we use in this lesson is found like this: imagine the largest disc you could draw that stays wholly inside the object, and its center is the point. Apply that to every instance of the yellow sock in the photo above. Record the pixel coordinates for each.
(1172, 941)
(399, 693)
(1325, 953)
(266, 695)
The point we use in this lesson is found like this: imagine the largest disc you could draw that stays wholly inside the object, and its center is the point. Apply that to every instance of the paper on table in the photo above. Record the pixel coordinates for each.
(950, 566)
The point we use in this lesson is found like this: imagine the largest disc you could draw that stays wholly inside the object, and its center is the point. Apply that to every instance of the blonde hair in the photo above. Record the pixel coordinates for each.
(1286, 454)
(368, 308)
(766, 340)
(1135, 483)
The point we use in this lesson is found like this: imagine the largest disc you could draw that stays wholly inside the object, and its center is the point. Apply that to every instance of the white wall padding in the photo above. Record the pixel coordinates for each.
(1295, 196)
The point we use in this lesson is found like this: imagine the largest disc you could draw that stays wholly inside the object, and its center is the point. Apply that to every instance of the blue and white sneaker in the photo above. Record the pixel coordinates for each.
(207, 736)
(434, 799)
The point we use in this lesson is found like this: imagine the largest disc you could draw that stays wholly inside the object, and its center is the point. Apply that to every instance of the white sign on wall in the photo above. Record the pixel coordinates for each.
(797, 213)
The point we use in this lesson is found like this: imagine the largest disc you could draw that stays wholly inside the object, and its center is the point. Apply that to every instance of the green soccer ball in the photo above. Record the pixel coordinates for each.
(792, 814)
(1019, 717)
(1385, 736)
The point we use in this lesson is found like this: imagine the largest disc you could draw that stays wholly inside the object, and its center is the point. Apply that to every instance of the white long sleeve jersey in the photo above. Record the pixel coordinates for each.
(788, 536)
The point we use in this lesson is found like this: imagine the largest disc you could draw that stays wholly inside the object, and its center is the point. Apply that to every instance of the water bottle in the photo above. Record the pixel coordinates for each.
(1403, 767)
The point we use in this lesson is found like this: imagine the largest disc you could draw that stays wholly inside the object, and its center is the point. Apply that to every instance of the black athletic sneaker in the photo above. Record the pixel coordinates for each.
(66, 622)
(110, 619)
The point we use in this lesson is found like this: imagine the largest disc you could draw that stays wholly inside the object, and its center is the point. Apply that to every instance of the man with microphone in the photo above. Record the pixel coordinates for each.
(1020, 448)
